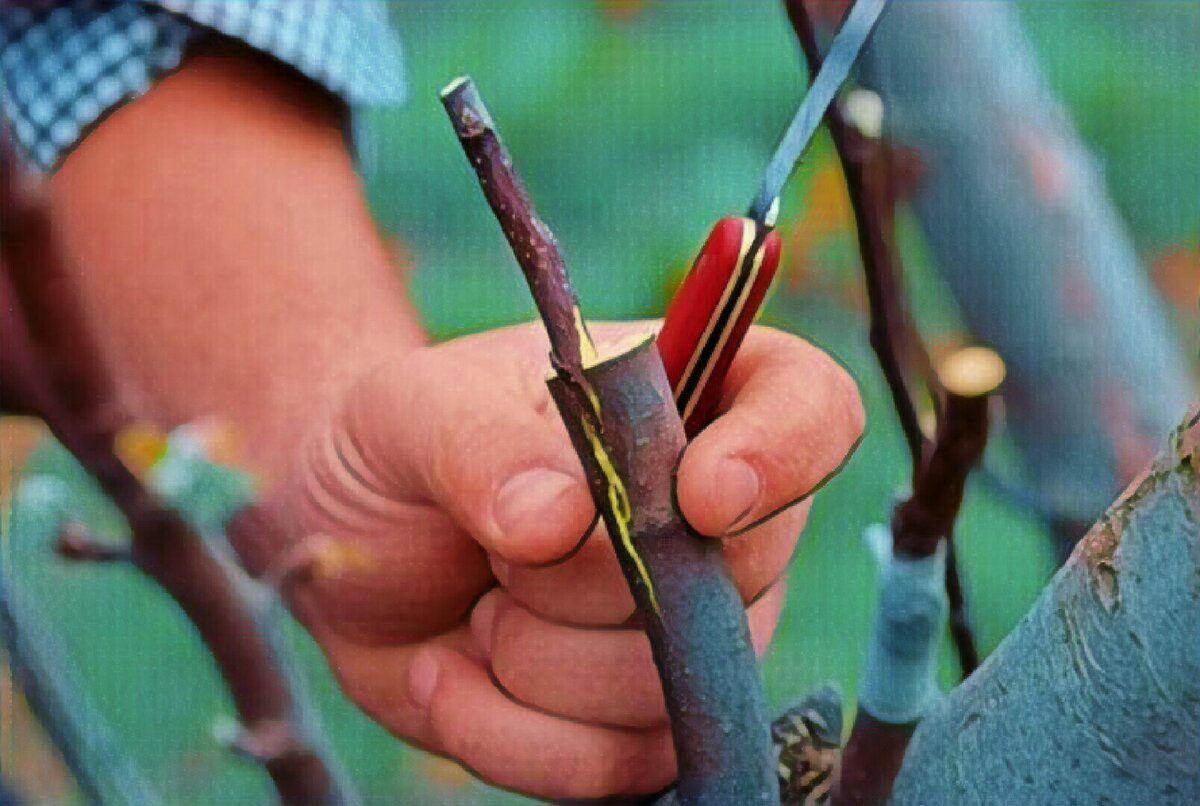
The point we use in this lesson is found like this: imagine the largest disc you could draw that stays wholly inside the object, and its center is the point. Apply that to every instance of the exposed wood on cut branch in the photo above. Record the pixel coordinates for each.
(1095, 696)
(622, 421)
(74, 395)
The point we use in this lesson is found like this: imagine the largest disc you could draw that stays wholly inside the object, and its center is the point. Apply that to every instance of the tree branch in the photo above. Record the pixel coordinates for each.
(50, 683)
(621, 417)
(864, 165)
(869, 170)
(1015, 214)
(74, 395)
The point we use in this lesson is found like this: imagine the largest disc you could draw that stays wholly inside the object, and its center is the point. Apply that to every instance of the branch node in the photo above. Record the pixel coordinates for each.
(77, 543)
(266, 742)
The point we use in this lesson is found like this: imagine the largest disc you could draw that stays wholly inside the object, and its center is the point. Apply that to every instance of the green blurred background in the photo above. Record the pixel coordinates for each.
(634, 125)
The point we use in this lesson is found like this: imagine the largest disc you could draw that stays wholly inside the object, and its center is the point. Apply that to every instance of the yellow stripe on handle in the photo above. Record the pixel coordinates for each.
(715, 314)
(731, 322)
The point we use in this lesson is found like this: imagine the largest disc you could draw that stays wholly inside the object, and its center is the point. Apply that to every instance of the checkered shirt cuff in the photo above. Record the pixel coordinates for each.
(64, 66)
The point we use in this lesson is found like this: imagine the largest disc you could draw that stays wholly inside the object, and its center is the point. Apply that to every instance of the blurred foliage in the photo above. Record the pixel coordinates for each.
(634, 124)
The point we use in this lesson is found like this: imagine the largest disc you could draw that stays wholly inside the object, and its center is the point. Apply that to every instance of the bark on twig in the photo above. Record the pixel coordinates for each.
(928, 516)
(73, 394)
(532, 241)
(622, 421)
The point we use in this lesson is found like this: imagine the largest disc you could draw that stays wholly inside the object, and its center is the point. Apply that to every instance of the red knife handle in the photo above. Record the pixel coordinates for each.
(711, 312)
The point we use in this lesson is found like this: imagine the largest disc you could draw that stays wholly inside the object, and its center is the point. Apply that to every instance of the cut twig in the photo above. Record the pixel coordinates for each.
(75, 397)
(532, 242)
(867, 164)
(621, 417)
(899, 680)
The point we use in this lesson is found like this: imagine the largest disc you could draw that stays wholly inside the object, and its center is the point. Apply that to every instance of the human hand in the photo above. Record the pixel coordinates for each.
(477, 625)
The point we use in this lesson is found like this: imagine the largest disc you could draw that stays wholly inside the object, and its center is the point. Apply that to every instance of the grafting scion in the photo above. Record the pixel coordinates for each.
(622, 420)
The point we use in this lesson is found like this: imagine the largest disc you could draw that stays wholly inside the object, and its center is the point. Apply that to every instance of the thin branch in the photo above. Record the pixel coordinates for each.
(533, 244)
(50, 683)
(892, 333)
(909, 618)
(622, 420)
(868, 167)
(962, 638)
(81, 407)
(928, 516)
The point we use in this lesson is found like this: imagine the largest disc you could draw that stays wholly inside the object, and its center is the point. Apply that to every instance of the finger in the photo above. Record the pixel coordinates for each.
(516, 747)
(588, 589)
(463, 426)
(595, 676)
(369, 578)
(377, 680)
(791, 416)
(760, 557)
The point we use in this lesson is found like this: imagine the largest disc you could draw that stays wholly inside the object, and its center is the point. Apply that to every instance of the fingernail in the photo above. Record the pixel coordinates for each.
(737, 488)
(483, 620)
(422, 679)
(533, 505)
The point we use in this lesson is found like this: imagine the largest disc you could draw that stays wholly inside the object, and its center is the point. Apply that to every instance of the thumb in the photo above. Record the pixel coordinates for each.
(455, 426)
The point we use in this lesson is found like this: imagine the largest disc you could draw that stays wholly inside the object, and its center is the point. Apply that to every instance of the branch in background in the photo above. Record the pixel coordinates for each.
(1019, 223)
(1095, 696)
(73, 395)
(865, 166)
(50, 683)
(900, 679)
(211, 493)
(621, 417)
(869, 166)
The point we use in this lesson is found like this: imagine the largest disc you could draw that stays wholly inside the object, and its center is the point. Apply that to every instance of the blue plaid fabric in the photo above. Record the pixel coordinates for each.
(65, 65)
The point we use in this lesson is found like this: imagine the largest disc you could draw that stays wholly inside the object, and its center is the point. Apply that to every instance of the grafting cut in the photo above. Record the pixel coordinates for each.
(623, 424)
